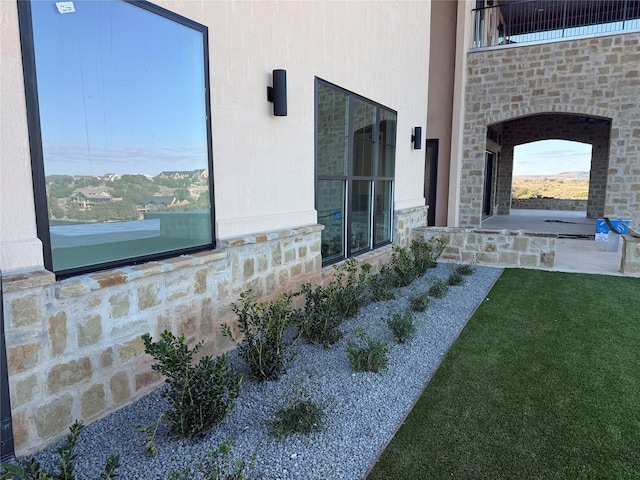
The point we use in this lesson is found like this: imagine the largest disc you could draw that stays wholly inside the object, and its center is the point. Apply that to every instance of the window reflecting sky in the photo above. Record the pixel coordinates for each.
(120, 89)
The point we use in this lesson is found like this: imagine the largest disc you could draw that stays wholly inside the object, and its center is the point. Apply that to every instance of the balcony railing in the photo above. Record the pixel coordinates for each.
(509, 22)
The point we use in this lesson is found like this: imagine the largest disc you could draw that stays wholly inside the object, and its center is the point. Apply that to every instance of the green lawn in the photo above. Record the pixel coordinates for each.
(544, 382)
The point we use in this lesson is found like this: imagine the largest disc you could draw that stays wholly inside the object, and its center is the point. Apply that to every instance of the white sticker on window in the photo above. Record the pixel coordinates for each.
(65, 7)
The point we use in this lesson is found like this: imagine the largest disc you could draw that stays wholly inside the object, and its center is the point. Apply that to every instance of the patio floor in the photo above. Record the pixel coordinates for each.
(576, 249)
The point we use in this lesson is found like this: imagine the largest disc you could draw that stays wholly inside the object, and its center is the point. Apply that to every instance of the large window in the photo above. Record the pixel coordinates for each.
(118, 105)
(355, 168)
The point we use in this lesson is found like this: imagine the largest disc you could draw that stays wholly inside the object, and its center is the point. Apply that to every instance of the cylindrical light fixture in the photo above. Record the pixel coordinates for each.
(278, 93)
(416, 138)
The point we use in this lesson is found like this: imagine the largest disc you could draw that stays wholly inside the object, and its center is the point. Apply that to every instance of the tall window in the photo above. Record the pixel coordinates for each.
(355, 168)
(118, 104)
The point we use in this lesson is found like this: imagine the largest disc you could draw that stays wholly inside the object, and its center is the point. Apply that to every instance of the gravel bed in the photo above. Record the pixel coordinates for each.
(363, 410)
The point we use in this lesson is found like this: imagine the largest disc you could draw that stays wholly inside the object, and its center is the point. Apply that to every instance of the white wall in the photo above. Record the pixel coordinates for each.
(263, 165)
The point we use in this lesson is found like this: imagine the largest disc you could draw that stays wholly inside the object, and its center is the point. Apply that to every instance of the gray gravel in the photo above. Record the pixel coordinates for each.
(363, 410)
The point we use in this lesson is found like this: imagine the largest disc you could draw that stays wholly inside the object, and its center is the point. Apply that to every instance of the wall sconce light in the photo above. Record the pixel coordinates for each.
(278, 93)
(416, 138)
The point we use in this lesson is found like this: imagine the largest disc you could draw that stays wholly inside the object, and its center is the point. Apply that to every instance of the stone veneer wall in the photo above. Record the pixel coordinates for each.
(73, 346)
(596, 77)
(549, 204)
(493, 247)
(74, 349)
(557, 126)
(630, 262)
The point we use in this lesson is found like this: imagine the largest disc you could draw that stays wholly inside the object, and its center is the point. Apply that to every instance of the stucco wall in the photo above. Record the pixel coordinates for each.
(598, 77)
(261, 162)
(74, 345)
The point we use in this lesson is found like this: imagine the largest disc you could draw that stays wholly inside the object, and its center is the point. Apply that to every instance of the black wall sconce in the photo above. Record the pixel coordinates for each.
(278, 93)
(416, 138)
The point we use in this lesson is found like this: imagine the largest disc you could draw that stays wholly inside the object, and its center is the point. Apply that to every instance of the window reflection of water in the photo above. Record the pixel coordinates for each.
(93, 233)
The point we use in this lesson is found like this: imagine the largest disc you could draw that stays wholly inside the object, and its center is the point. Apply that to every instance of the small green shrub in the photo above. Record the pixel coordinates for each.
(298, 414)
(263, 325)
(321, 316)
(438, 288)
(402, 265)
(200, 395)
(419, 302)
(367, 354)
(352, 278)
(219, 465)
(402, 326)
(425, 254)
(464, 268)
(455, 279)
(31, 470)
(381, 285)
(326, 307)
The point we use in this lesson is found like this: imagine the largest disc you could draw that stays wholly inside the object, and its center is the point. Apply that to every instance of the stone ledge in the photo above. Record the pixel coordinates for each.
(25, 280)
(83, 284)
(262, 237)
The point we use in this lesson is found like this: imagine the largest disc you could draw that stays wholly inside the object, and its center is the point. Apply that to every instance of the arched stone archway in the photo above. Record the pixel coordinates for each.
(590, 78)
(577, 128)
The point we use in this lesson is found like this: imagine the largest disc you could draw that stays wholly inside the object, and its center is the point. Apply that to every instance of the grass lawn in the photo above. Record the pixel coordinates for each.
(544, 382)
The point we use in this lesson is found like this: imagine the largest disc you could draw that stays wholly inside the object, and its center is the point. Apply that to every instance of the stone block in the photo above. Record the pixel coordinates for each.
(119, 305)
(69, 373)
(119, 386)
(73, 288)
(248, 268)
(93, 401)
(148, 296)
(20, 424)
(26, 311)
(521, 244)
(548, 259)
(54, 418)
(296, 270)
(147, 379)
(529, 260)
(58, 333)
(106, 358)
(276, 254)
(283, 277)
(89, 331)
(201, 281)
(23, 390)
(508, 258)
(289, 255)
(23, 357)
(131, 350)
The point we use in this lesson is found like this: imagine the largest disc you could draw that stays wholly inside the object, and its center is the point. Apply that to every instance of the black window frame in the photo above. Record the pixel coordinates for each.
(349, 178)
(36, 145)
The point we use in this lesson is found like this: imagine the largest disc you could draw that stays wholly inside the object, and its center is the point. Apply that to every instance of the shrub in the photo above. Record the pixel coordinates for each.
(367, 354)
(321, 316)
(31, 470)
(351, 279)
(438, 288)
(402, 264)
(419, 302)
(402, 326)
(299, 413)
(455, 279)
(381, 285)
(327, 307)
(464, 268)
(199, 396)
(219, 465)
(425, 254)
(263, 326)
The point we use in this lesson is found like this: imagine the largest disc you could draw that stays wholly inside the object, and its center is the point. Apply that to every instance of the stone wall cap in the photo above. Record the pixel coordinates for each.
(260, 237)
(14, 282)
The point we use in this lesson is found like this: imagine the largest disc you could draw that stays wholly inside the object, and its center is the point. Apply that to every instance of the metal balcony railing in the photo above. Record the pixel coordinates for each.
(507, 22)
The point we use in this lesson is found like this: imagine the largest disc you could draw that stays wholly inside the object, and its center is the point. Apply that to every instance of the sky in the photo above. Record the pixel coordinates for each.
(551, 157)
(120, 90)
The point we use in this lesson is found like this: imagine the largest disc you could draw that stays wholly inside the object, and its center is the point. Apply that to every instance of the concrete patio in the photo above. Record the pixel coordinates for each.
(576, 248)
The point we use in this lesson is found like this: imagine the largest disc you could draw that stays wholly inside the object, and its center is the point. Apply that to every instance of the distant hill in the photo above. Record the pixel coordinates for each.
(569, 185)
(563, 175)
